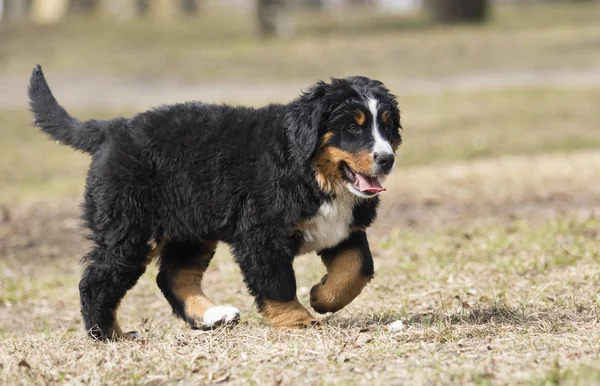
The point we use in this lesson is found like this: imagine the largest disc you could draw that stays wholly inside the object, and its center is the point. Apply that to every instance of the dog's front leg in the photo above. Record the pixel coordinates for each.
(349, 269)
(269, 275)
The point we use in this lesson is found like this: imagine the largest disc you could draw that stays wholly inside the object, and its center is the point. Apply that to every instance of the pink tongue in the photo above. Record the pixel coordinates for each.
(368, 184)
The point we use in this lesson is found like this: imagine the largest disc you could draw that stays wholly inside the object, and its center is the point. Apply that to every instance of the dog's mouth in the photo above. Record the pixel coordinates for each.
(366, 185)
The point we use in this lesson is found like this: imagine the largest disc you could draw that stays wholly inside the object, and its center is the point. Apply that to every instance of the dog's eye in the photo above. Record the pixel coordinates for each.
(354, 128)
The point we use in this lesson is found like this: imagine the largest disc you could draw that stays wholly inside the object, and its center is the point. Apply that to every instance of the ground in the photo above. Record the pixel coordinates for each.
(487, 246)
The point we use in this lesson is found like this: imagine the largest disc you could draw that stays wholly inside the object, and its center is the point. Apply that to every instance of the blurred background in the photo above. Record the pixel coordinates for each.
(476, 78)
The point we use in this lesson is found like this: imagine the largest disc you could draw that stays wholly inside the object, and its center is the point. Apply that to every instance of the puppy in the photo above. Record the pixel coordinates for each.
(272, 182)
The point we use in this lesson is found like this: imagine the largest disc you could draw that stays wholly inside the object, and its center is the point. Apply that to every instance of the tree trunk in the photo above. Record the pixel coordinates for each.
(119, 9)
(83, 6)
(14, 10)
(189, 7)
(272, 18)
(458, 11)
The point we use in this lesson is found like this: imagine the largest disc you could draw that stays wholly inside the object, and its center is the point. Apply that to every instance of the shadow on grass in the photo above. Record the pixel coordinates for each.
(501, 314)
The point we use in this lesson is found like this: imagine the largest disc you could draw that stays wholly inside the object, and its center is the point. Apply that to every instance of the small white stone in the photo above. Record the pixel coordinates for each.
(219, 316)
(396, 326)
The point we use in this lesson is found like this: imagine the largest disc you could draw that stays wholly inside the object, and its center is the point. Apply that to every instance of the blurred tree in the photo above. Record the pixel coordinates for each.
(189, 7)
(120, 9)
(83, 6)
(167, 8)
(272, 18)
(14, 10)
(314, 3)
(456, 11)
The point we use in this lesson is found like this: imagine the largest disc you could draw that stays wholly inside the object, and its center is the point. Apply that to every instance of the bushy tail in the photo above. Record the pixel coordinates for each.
(54, 120)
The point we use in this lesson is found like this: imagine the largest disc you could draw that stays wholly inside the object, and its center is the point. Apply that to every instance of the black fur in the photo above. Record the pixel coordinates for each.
(86, 136)
(189, 173)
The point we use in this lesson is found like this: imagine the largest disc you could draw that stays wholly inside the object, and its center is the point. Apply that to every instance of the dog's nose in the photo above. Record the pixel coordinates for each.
(384, 161)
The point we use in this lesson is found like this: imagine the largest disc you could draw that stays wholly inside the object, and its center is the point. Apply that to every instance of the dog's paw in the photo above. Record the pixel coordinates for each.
(322, 301)
(309, 323)
(298, 323)
(220, 316)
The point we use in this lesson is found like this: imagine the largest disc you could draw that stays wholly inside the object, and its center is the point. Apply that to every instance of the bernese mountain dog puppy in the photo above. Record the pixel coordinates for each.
(271, 182)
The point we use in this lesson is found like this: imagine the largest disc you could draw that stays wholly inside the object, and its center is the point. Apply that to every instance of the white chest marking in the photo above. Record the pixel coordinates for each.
(331, 224)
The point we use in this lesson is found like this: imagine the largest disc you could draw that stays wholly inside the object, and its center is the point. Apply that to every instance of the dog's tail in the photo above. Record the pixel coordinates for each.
(54, 120)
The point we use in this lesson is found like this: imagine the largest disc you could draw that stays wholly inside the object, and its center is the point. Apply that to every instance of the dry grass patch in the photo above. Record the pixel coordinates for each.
(503, 304)
(497, 189)
(512, 300)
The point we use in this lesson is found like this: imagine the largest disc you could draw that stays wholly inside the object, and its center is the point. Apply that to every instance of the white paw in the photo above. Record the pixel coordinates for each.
(220, 316)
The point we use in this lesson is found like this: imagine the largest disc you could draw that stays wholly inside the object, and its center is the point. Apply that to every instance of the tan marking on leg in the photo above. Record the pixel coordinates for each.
(116, 332)
(341, 285)
(187, 285)
(290, 314)
(360, 117)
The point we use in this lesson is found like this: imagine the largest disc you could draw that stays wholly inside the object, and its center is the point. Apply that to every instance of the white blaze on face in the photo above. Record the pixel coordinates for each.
(381, 145)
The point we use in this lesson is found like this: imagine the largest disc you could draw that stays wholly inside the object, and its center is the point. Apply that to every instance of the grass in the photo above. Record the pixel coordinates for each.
(439, 128)
(511, 302)
(490, 264)
(220, 46)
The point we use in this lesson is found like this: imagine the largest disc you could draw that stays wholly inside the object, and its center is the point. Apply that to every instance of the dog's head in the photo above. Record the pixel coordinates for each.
(349, 130)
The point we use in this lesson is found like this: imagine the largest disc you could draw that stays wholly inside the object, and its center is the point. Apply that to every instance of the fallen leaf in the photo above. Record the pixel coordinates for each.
(222, 378)
(362, 340)
(24, 363)
(342, 357)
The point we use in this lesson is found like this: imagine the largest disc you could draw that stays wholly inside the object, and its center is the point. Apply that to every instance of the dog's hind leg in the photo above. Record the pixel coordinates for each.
(182, 267)
(105, 281)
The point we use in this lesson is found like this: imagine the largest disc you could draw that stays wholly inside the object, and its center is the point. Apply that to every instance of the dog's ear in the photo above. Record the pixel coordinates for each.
(305, 120)
(396, 135)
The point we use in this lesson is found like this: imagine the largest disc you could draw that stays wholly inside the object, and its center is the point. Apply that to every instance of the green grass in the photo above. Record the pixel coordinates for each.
(221, 46)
